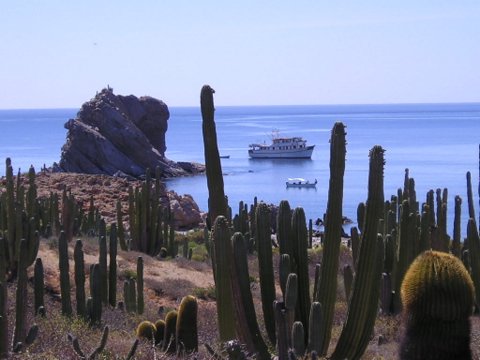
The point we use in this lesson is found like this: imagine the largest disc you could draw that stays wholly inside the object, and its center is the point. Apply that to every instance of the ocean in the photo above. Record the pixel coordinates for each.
(438, 143)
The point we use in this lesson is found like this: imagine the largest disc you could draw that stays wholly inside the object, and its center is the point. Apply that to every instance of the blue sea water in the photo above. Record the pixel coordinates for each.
(439, 143)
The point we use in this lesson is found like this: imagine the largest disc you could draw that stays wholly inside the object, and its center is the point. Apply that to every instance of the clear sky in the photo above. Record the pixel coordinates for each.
(57, 53)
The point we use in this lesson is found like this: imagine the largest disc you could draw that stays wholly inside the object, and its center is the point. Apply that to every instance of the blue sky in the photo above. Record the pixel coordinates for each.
(59, 53)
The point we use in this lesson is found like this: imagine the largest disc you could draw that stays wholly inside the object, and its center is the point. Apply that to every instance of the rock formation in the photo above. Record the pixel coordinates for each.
(120, 135)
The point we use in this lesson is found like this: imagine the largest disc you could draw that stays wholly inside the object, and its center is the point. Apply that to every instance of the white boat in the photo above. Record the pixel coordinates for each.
(300, 183)
(282, 148)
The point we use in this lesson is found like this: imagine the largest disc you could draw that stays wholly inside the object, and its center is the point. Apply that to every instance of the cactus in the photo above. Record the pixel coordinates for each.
(216, 194)
(112, 268)
(437, 295)
(284, 270)
(298, 338)
(39, 285)
(361, 216)
(222, 256)
(159, 331)
(456, 246)
(186, 334)
(267, 284)
(169, 342)
(314, 327)
(101, 346)
(96, 295)
(333, 232)
(20, 332)
(102, 263)
(64, 274)
(300, 261)
(363, 304)
(474, 258)
(120, 228)
(146, 330)
(284, 225)
(246, 326)
(3, 302)
(140, 300)
(80, 279)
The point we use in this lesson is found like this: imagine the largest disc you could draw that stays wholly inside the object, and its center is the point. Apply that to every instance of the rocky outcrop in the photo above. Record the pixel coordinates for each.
(120, 135)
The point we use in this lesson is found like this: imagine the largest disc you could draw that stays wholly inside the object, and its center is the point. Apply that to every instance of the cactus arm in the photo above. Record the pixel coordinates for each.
(64, 274)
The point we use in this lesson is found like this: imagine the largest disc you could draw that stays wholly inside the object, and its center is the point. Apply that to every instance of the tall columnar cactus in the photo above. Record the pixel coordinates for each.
(457, 234)
(216, 195)
(333, 232)
(222, 256)
(474, 252)
(471, 206)
(186, 334)
(12, 254)
(39, 286)
(112, 268)
(361, 216)
(64, 274)
(20, 332)
(140, 299)
(299, 239)
(120, 227)
(284, 270)
(102, 262)
(3, 301)
(314, 327)
(130, 295)
(265, 264)
(437, 295)
(79, 266)
(96, 294)
(246, 325)
(284, 225)
(363, 304)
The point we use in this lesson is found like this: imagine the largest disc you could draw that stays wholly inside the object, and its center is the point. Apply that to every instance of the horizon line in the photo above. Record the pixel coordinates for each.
(275, 105)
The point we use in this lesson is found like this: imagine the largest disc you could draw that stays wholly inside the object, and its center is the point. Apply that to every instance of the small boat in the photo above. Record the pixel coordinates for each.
(224, 156)
(300, 183)
(282, 148)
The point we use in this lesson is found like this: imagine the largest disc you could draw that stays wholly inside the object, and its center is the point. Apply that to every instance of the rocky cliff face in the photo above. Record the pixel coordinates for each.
(120, 135)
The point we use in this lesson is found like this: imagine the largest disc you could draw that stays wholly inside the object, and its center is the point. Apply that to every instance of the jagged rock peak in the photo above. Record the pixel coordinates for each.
(115, 134)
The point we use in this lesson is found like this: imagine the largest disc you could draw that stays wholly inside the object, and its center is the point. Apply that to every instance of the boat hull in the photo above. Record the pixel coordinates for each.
(282, 154)
(301, 186)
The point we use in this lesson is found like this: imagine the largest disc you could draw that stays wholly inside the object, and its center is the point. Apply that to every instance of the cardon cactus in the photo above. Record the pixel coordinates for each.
(363, 303)
(326, 293)
(437, 295)
(222, 256)
(186, 334)
(247, 326)
(217, 204)
(64, 274)
(265, 264)
(112, 268)
(140, 299)
(146, 330)
(39, 285)
(80, 279)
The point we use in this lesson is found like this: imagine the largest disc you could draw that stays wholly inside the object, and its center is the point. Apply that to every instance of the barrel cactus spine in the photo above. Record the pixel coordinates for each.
(437, 295)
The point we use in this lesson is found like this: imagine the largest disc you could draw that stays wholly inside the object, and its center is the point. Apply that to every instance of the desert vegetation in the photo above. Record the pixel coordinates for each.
(75, 285)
